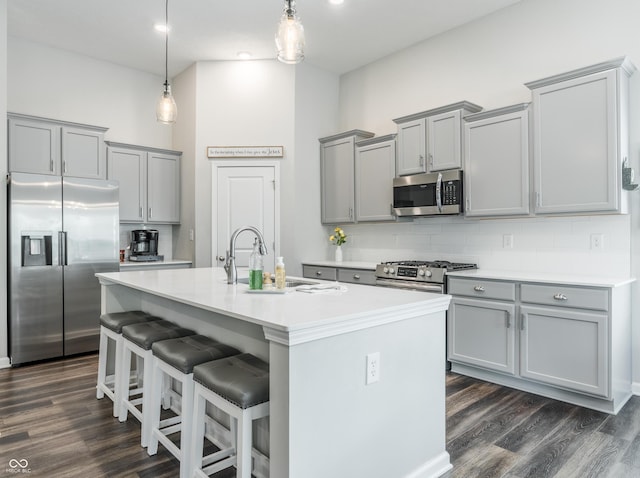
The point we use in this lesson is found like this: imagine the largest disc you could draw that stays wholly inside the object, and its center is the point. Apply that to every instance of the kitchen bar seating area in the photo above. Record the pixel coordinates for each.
(167, 353)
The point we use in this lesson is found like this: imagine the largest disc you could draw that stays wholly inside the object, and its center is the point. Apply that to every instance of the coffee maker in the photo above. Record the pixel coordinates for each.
(144, 246)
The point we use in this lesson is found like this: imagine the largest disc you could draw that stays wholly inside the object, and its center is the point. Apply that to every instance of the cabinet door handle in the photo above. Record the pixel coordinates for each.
(478, 288)
(64, 167)
(421, 158)
(560, 297)
(356, 276)
(51, 165)
(140, 214)
(522, 318)
(222, 258)
(318, 273)
(150, 213)
(431, 159)
(507, 320)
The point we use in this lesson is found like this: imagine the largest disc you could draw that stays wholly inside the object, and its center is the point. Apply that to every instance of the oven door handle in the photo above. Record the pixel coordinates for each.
(421, 287)
(439, 192)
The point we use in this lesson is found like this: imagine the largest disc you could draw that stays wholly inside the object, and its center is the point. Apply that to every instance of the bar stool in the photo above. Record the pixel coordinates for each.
(175, 359)
(239, 386)
(138, 339)
(111, 329)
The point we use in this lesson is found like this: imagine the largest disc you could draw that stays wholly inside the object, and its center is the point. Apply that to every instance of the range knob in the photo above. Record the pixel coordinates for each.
(421, 272)
(385, 270)
(391, 270)
(427, 273)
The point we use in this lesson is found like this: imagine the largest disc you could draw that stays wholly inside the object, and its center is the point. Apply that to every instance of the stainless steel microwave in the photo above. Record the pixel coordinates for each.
(428, 194)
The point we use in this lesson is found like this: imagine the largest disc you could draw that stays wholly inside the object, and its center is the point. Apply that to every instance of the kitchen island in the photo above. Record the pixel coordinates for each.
(325, 420)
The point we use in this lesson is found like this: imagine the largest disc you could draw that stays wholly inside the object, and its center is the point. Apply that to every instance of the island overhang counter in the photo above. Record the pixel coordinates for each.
(324, 419)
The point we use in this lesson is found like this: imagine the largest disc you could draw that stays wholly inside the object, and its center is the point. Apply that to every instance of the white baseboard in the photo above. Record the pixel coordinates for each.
(635, 388)
(6, 363)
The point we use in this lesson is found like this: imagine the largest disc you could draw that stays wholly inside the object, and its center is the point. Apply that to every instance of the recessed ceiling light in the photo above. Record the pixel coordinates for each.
(161, 27)
(336, 2)
(244, 55)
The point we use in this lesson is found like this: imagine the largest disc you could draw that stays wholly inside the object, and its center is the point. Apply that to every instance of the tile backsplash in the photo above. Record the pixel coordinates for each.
(583, 245)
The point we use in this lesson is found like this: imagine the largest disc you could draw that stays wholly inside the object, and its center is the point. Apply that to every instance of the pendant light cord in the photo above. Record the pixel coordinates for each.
(166, 46)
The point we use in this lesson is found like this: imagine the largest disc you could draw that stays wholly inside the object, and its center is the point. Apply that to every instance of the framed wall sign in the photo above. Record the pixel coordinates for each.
(245, 151)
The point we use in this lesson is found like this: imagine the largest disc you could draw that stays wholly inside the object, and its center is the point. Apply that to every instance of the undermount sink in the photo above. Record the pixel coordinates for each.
(289, 282)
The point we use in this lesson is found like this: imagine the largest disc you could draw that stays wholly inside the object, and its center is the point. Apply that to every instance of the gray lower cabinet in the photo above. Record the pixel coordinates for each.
(149, 183)
(342, 274)
(564, 341)
(58, 148)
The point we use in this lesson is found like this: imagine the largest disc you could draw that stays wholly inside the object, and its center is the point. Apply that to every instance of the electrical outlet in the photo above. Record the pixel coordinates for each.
(597, 241)
(507, 241)
(373, 367)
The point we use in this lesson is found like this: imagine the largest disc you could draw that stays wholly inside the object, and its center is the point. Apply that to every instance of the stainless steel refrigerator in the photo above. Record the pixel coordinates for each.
(61, 232)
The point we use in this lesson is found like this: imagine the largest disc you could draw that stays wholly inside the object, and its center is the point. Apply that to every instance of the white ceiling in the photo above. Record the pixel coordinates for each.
(339, 38)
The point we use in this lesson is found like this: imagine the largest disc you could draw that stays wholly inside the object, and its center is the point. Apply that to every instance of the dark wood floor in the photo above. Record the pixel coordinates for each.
(49, 416)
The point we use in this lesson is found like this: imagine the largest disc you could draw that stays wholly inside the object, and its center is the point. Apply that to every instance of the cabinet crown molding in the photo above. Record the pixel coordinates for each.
(21, 116)
(377, 139)
(497, 112)
(623, 63)
(358, 133)
(114, 144)
(467, 106)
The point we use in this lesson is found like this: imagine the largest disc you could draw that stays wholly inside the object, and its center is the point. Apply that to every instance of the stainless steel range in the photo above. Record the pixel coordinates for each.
(428, 276)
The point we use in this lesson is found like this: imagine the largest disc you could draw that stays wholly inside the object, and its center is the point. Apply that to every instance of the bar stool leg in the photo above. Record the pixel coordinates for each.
(124, 383)
(102, 364)
(156, 399)
(197, 435)
(146, 399)
(243, 447)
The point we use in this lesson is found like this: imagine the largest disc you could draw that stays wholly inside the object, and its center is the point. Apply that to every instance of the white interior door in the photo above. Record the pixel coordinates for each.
(245, 196)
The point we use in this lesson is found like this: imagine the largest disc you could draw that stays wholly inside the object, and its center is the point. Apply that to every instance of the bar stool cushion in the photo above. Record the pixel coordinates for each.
(241, 379)
(116, 320)
(186, 352)
(146, 333)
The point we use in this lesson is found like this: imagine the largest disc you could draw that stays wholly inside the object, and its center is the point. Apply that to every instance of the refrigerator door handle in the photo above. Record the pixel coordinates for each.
(62, 248)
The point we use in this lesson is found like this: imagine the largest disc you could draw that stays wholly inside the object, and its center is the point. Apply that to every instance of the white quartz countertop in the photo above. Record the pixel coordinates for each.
(152, 264)
(345, 265)
(357, 307)
(544, 277)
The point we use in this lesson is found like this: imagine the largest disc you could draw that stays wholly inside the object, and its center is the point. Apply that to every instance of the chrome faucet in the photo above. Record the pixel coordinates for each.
(230, 264)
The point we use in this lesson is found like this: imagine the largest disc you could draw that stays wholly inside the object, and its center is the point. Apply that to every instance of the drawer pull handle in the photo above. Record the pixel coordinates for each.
(318, 273)
(356, 276)
(478, 288)
(560, 297)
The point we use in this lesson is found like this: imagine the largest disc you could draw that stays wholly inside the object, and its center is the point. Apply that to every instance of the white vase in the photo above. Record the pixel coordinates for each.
(338, 253)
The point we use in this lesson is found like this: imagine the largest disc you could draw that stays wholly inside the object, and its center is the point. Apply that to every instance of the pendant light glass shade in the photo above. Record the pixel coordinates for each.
(166, 109)
(290, 35)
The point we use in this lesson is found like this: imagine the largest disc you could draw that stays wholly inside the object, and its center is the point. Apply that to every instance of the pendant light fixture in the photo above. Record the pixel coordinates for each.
(166, 110)
(290, 35)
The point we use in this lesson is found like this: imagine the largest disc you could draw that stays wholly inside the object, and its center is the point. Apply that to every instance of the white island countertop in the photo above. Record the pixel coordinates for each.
(301, 316)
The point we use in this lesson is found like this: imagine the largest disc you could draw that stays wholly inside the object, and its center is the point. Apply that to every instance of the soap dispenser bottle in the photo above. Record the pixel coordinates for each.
(255, 268)
(280, 274)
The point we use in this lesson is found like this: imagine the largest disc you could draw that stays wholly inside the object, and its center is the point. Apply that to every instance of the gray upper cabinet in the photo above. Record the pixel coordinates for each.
(432, 140)
(58, 148)
(580, 139)
(149, 183)
(375, 169)
(496, 162)
(337, 170)
(411, 147)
